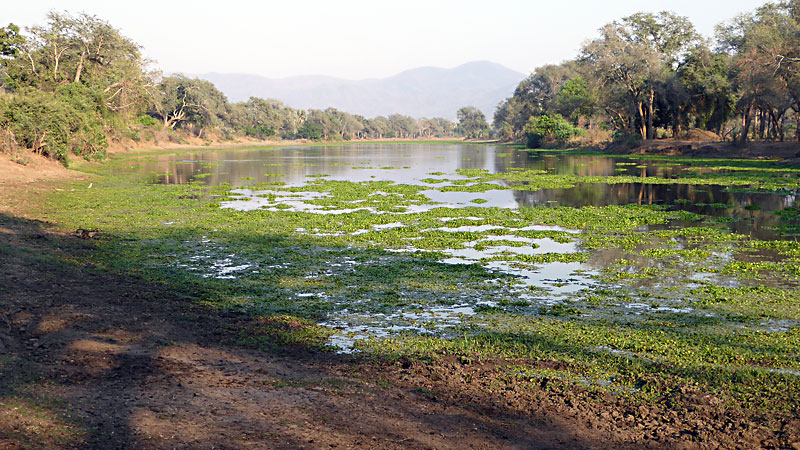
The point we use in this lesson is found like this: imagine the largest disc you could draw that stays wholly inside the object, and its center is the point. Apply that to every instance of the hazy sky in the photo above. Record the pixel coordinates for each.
(358, 39)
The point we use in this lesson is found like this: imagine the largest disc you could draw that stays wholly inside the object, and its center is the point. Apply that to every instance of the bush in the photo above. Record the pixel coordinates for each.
(8, 144)
(548, 129)
(58, 124)
(39, 122)
(148, 121)
(310, 130)
(259, 131)
(87, 134)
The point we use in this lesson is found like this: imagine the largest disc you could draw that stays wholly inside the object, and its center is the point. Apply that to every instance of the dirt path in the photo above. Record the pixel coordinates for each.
(90, 359)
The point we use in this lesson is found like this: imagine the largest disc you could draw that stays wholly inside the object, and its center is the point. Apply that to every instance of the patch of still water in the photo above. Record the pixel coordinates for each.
(744, 213)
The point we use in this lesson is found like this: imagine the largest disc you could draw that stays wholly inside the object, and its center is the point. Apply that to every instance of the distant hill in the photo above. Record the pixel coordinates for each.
(422, 92)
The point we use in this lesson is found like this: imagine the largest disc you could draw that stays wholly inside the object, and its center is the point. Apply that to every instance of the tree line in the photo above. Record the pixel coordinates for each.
(73, 84)
(649, 76)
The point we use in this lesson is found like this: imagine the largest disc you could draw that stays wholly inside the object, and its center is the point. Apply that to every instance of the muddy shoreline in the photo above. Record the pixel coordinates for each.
(786, 151)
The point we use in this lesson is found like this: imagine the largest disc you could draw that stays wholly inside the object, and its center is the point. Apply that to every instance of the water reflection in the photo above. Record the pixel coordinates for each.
(745, 213)
(294, 165)
(536, 286)
(731, 208)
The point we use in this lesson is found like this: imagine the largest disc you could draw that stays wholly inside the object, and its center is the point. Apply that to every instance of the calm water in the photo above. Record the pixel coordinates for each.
(410, 163)
(552, 283)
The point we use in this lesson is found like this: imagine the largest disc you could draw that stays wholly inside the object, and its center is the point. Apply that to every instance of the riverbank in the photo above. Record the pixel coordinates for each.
(188, 144)
(110, 344)
(789, 152)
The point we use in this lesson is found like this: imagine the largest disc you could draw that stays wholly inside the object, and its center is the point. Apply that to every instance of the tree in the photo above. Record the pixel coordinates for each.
(764, 53)
(403, 126)
(11, 41)
(634, 58)
(178, 100)
(444, 127)
(711, 98)
(534, 95)
(310, 130)
(668, 34)
(263, 117)
(79, 49)
(626, 68)
(575, 99)
(379, 127)
(472, 123)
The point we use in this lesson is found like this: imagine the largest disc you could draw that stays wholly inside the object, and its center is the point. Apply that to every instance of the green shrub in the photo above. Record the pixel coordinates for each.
(259, 131)
(39, 122)
(548, 129)
(148, 121)
(67, 121)
(310, 130)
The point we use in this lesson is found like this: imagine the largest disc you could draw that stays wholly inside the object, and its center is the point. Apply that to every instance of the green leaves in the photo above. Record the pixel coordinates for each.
(472, 123)
(10, 40)
(58, 124)
(548, 128)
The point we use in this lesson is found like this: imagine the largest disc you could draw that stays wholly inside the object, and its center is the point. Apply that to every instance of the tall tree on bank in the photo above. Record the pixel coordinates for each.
(634, 58)
(81, 49)
(72, 82)
(765, 52)
(704, 76)
(651, 71)
(181, 101)
(535, 95)
(472, 123)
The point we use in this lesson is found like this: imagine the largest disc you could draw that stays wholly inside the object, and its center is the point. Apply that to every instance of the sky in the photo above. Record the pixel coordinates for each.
(358, 39)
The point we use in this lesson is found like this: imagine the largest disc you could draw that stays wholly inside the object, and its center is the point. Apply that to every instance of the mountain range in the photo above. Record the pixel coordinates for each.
(421, 92)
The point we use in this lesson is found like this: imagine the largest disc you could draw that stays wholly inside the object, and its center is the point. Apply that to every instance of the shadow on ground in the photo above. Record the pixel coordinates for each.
(95, 359)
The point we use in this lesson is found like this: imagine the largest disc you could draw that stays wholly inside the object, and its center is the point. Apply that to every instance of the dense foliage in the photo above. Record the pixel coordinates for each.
(472, 123)
(549, 128)
(58, 123)
(75, 84)
(71, 86)
(652, 75)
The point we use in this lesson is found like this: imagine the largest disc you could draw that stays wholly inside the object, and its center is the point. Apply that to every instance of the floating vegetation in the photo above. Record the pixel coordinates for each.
(629, 282)
(789, 224)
